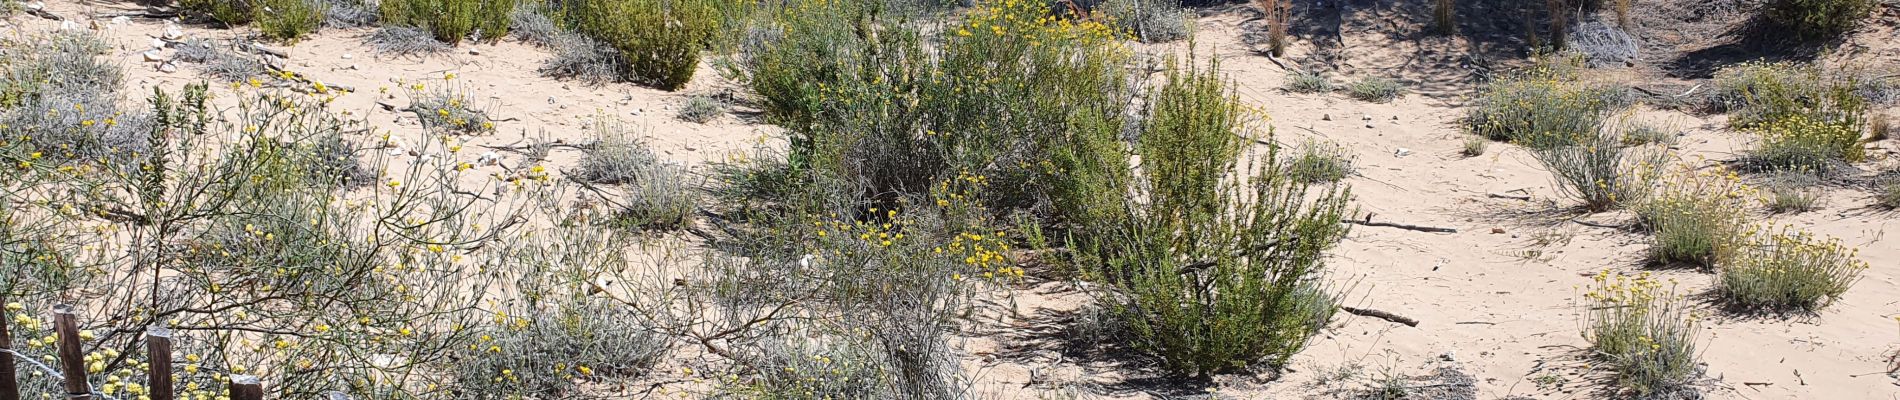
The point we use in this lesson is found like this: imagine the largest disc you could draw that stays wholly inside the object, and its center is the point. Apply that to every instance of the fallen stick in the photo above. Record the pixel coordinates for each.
(1524, 197)
(1367, 312)
(1408, 227)
(266, 50)
(44, 14)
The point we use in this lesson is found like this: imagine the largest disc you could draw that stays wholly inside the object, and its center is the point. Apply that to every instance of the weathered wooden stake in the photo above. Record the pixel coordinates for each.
(158, 345)
(71, 362)
(246, 387)
(9, 384)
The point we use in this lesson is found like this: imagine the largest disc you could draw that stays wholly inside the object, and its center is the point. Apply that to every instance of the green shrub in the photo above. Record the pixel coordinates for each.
(1821, 18)
(1697, 218)
(231, 13)
(1637, 134)
(1792, 192)
(1375, 89)
(1308, 82)
(451, 21)
(1544, 102)
(1643, 333)
(1887, 194)
(701, 109)
(1790, 271)
(1595, 167)
(289, 20)
(1151, 21)
(1475, 146)
(1194, 282)
(554, 353)
(1761, 92)
(1800, 143)
(827, 368)
(661, 40)
(1320, 162)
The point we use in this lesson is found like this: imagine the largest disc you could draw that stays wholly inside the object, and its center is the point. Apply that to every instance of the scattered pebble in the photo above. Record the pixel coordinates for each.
(1401, 152)
(1325, 117)
(474, 52)
(1495, 231)
(347, 56)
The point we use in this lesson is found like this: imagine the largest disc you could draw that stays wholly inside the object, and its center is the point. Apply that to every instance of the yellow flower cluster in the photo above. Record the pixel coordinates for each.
(1031, 22)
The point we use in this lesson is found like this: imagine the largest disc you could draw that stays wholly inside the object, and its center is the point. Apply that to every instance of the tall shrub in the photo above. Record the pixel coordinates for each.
(1821, 18)
(661, 40)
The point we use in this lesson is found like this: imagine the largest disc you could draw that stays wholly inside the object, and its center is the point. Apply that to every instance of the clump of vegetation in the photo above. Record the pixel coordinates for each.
(552, 353)
(1150, 20)
(61, 97)
(1792, 192)
(1320, 162)
(405, 41)
(529, 22)
(349, 13)
(1544, 102)
(1798, 142)
(1637, 134)
(831, 368)
(1763, 92)
(219, 61)
(449, 108)
(1698, 218)
(1262, 303)
(1820, 18)
(1887, 194)
(660, 39)
(289, 20)
(231, 13)
(1604, 45)
(1308, 82)
(1475, 146)
(1596, 168)
(1786, 271)
(1375, 89)
(1643, 333)
(658, 195)
(1279, 16)
(583, 58)
(701, 109)
(452, 21)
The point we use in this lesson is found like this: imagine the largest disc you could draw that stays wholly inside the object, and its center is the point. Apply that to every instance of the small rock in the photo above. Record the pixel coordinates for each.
(1367, 117)
(1395, 118)
(489, 158)
(68, 25)
(347, 56)
(120, 20)
(1450, 355)
(474, 52)
(1325, 117)
(354, 67)
(36, 6)
(168, 68)
(173, 33)
(158, 43)
(1496, 231)
(154, 56)
(1401, 152)
(1370, 125)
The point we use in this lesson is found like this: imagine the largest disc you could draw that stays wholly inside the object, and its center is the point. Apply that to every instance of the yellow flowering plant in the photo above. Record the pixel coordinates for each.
(1642, 332)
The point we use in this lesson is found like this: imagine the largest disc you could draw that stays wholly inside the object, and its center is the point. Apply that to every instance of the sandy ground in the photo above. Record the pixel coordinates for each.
(1495, 300)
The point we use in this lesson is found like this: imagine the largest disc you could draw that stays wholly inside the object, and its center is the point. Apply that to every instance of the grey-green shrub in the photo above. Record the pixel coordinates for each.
(62, 95)
(1644, 334)
(1789, 271)
(452, 21)
(1308, 82)
(701, 109)
(1887, 194)
(1595, 167)
(1150, 20)
(1760, 92)
(1375, 89)
(1541, 103)
(405, 41)
(1475, 146)
(661, 40)
(557, 351)
(1320, 162)
(1696, 218)
(1192, 279)
(1820, 18)
(1792, 192)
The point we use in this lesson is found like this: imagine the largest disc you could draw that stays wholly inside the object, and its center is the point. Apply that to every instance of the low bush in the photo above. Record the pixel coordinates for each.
(290, 20)
(1792, 192)
(1643, 333)
(1820, 18)
(1596, 168)
(1320, 162)
(530, 23)
(1697, 218)
(349, 14)
(1375, 89)
(61, 95)
(231, 13)
(1887, 194)
(1604, 45)
(585, 59)
(660, 40)
(1475, 146)
(701, 109)
(1308, 82)
(554, 353)
(1547, 101)
(218, 60)
(448, 107)
(1150, 20)
(1800, 143)
(1194, 286)
(835, 367)
(452, 21)
(1637, 134)
(1762, 92)
(1789, 271)
(405, 41)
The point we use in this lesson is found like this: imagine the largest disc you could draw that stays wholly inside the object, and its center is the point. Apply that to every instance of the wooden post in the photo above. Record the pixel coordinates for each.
(246, 387)
(9, 383)
(71, 362)
(158, 346)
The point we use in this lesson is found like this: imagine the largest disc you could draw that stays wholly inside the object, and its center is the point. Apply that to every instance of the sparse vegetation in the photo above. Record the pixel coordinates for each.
(1475, 146)
(1375, 89)
(1798, 142)
(229, 13)
(1279, 17)
(1308, 82)
(1792, 192)
(290, 20)
(1698, 219)
(1151, 20)
(405, 41)
(1638, 133)
(1596, 168)
(1549, 101)
(452, 21)
(1816, 19)
(1755, 93)
(1887, 194)
(1790, 271)
(1643, 333)
(660, 39)
(1320, 162)
(658, 195)
(446, 106)
(701, 109)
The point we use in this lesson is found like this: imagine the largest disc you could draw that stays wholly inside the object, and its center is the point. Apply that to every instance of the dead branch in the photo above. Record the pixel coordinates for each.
(1524, 197)
(1367, 312)
(1421, 228)
(44, 14)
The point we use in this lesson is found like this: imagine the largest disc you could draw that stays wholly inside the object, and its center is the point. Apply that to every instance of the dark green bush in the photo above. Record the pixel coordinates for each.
(452, 21)
(289, 20)
(231, 13)
(1821, 18)
(660, 39)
